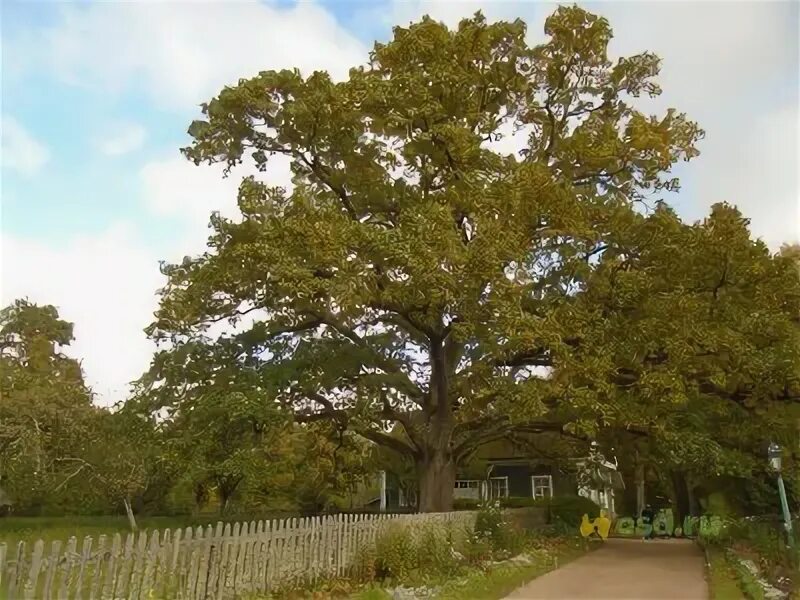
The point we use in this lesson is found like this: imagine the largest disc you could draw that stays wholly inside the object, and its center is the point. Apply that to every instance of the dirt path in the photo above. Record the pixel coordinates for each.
(659, 569)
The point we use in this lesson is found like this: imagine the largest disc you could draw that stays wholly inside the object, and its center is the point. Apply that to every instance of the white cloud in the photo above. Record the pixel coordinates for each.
(183, 53)
(180, 54)
(103, 283)
(121, 138)
(21, 151)
(759, 174)
(176, 188)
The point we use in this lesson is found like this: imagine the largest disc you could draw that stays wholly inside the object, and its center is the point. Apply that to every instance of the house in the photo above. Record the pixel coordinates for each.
(517, 468)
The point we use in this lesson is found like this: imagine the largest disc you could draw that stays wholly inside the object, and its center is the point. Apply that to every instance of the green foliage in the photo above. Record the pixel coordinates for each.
(519, 502)
(466, 504)
(414, 274)
(489, 520)
(396, 555)
(58, 452)
(748, 583)
(723, 581)
(417, 276)
(762, 540)
(492, 526)
(569, 509)
(478, 548)
(498, 581)
(403, 553)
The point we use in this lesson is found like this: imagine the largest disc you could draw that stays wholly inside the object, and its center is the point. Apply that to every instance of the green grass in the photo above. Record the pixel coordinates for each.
(500, 581)
(722, 580)
(30, 529)
(492, 583)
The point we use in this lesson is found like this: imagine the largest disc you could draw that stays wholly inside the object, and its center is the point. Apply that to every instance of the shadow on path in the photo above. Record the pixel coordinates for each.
(627, 568)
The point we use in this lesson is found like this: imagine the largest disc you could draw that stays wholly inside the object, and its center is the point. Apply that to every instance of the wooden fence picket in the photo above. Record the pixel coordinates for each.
(150, 558)
(216, 563)
(16, 569)
(272, 540)
(118, 577)
(223, 562)
(96, 573)
(65, 568)
(139, 552)
(52, 566)
(86, 554)
(32, 582)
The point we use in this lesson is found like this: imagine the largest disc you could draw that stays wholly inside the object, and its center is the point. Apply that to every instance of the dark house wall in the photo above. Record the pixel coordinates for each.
(519, 478)
(564, 484)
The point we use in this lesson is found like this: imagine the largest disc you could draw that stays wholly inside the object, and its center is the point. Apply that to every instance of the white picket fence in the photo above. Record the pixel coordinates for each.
(226, 561)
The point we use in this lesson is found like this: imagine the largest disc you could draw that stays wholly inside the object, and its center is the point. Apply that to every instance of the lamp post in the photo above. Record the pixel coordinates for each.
(774, 455)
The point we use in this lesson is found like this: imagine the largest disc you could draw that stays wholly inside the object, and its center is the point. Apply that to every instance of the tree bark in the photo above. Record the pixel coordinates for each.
(436, 467)
(681, 491)
(437, 475)
(694, 507)
(640, 493)
(129, 513)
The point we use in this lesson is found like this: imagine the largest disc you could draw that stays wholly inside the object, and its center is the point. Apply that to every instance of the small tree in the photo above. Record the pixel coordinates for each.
(46, 409)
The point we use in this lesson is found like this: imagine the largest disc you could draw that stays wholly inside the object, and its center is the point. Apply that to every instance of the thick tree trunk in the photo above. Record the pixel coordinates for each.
(694, 507)
(640, 492)
(681, 491)
(437, 476)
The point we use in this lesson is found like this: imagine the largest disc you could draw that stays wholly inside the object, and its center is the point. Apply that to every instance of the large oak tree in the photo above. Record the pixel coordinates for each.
(416, 278)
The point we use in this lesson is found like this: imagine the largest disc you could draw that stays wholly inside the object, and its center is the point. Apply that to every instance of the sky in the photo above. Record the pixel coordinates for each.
(97, 97)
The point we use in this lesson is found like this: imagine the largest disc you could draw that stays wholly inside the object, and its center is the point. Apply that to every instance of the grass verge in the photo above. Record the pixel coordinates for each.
(723, 581)
(499, 581)
(492, 582)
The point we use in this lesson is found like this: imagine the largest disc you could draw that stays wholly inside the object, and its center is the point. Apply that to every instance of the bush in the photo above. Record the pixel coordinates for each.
(466, 504)
(570, 509)
(478, 548)
(520, 502)
(402, 552)
(435, 553)
(395, 553)
(489, 520)
(509, 542)
(504, 540)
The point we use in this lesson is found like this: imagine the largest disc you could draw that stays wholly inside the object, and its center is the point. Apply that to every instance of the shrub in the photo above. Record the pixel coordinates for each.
(403, 552)
(466, 504)
(520, 502)
(489, 520)
(508, 542)
(504, 540)
(435, 554)
(478, 548)
(395, 553)
(570, 509)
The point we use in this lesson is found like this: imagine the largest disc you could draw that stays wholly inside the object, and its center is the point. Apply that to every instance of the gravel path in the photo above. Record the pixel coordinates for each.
(626, 568)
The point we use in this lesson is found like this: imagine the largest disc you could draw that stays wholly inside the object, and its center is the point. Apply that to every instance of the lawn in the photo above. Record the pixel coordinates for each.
(30, 529)
(498, 582)
(494, 581)
(722, 581)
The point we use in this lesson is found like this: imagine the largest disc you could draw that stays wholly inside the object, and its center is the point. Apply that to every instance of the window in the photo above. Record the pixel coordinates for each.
(498, 487)
(465, 484)
(542, 486)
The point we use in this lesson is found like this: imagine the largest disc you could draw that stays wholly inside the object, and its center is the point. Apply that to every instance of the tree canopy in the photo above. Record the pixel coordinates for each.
(45, 403)
(416, 277)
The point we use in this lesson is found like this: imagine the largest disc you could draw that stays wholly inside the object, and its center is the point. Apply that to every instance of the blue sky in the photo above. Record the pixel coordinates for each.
(96, 99)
